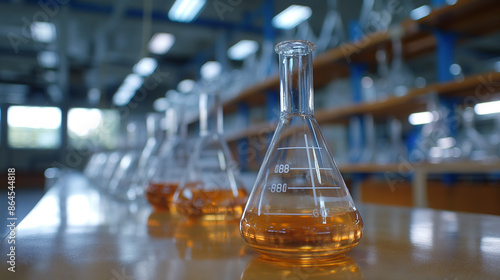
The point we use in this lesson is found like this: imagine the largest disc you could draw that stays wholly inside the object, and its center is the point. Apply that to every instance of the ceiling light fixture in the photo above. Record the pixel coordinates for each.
(44, 32)
(132, 82)
(145, 67)
(487, 108)
(291, 17)
(127, 90)
(186, 86)
(48, 59)
(420, 12)
(421, 118)
(160, 43)
(160, 104)
(185, 10)
(122, 97)
(242, 49)
(210, 70)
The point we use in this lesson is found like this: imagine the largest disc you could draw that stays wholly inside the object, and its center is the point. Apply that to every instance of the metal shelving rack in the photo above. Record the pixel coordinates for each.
(439, 32)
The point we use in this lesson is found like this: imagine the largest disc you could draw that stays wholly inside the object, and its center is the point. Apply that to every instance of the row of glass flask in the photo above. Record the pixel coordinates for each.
(299, 207)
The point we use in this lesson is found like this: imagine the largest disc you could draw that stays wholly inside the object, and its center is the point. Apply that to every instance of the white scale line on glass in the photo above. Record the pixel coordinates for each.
(317, 188)
(313, 168)
(296, 148)
(310, 169)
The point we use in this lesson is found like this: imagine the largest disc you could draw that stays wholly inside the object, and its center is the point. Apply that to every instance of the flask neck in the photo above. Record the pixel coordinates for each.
(153, 127)
(210, 114)
(172, 122)
(296, 88)
(175, 122)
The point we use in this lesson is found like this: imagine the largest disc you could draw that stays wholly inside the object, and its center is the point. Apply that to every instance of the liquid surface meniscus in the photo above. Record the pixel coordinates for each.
(302, 235)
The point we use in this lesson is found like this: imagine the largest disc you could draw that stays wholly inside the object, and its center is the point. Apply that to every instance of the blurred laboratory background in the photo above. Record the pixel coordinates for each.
(407, 93)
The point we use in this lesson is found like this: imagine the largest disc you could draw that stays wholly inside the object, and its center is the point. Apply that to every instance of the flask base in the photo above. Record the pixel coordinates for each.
(303, 257)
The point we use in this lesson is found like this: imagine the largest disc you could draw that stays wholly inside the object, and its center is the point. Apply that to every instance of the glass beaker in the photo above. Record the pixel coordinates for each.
(172, 158)
(210, 187)
(300, 208)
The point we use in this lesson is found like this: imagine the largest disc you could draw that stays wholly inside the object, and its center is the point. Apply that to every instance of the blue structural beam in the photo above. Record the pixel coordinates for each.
(445, 53)
(356, 132)
(356, 126)
(445, 57)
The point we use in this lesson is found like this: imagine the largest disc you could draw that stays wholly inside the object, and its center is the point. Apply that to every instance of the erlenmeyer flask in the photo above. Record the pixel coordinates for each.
(473, 144)
(172, 159)
(332, 31)
(211, 188)
(300, 208)
(148, 156)
(119, 185)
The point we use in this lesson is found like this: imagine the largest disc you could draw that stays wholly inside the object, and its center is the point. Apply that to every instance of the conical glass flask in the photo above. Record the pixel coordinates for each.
(210, 187)
(299, 208)
(119, 185)
(172, 159)
(149, 154)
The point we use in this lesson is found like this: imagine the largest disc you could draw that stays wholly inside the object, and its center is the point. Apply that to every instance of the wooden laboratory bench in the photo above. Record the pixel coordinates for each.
(78, 232)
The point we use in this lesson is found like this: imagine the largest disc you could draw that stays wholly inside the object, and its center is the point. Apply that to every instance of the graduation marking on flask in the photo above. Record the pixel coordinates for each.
(311, 171)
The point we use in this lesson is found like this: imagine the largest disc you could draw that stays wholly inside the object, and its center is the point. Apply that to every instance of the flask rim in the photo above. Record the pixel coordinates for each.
(295, 47)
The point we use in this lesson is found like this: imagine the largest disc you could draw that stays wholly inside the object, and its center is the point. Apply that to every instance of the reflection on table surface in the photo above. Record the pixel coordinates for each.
(77, 232)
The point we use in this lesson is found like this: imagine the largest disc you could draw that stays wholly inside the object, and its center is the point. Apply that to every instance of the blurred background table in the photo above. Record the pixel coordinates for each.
(77, 232)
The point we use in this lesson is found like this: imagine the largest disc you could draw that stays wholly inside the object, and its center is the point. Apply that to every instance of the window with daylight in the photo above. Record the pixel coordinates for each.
(93, 128)
(34, 127)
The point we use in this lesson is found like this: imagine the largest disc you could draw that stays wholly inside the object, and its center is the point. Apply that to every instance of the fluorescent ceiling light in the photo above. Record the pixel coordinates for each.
(291, 17)
(185, 10)
(160, 43)
(210, 70)
(122, 97)
(48, 59)
(34, 117)
(420, 12)
(127, 90)
(171, 94)
(44, 32)
(420, 118)
(145, 67)
(186, 86)
(132, 82)
(487, 108)
(242, 49)
(160, 104)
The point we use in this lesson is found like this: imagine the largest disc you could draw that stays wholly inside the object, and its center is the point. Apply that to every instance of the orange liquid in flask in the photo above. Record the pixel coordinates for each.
(212, 204)
(302, 235)
(160, 195)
